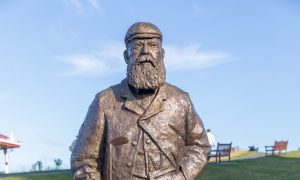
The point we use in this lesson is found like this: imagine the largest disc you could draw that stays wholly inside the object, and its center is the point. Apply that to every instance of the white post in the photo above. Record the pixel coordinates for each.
(6, 160)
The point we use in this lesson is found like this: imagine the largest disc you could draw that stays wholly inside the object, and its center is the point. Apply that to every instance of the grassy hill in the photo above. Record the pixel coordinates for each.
(285, 167)
(43, 175)
(266, 168)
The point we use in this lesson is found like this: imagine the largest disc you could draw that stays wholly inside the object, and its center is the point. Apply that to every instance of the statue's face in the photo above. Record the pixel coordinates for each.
(139, 47)
(145, 67)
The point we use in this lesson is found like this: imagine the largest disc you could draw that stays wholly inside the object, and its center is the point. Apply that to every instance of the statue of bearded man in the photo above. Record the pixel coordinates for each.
(163, 137)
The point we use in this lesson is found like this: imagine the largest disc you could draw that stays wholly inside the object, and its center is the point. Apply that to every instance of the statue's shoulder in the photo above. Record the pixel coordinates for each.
(176, 94)
(109, 92)
(172, 88)
(175, 91)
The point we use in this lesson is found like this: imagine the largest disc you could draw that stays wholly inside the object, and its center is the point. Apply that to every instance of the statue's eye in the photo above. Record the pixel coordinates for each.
(136, 45)
(152, 45)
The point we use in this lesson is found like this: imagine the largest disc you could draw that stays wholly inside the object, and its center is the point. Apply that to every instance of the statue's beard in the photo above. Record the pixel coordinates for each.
(146, 73)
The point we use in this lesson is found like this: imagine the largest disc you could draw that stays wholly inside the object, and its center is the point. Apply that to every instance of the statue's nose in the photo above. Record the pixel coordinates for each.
(145, 50)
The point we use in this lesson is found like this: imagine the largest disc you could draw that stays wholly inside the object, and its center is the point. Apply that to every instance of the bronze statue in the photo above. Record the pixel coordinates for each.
(142, 128)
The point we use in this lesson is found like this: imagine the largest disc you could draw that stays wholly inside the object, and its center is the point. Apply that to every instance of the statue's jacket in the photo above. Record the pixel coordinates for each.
(170, 122)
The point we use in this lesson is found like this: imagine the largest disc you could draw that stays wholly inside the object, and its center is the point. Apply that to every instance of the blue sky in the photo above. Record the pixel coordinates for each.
(239, 61)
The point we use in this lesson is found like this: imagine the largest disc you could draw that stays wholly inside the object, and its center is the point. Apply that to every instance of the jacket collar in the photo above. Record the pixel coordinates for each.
(131, 104)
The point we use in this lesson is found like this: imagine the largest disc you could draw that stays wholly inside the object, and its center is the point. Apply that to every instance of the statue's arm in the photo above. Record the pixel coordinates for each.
(84, 158)
(197, 147)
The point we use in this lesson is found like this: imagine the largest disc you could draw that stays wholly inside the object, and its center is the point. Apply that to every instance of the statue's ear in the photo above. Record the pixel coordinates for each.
(126, 58)
(163, 52)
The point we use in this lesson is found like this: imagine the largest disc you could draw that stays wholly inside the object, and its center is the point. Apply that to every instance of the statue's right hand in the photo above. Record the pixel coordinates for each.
(82, 174)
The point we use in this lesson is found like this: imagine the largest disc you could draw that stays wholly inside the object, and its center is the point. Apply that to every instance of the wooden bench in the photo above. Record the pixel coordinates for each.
(279, 146)
(223, 150)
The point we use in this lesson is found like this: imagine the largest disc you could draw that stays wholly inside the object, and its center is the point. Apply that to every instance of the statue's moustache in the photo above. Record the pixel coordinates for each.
(145, 59)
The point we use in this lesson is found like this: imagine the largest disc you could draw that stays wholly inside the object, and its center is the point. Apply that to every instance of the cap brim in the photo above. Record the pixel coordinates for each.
(142, 36)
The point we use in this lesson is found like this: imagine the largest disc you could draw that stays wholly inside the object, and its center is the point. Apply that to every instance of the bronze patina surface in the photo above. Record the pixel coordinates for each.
(146, 127)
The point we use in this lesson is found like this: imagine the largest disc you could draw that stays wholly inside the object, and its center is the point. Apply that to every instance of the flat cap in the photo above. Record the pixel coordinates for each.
(142, 30)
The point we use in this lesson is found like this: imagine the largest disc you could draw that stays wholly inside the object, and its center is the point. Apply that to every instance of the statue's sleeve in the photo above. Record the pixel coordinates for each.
(89, 144)
(197, 147)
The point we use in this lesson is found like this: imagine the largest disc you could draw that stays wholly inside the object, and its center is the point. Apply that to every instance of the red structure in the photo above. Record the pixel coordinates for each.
(5, 144)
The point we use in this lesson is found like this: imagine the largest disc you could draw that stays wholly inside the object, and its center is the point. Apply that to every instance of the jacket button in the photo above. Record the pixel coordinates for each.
(129, 164)
(134, 143)
(148, 141)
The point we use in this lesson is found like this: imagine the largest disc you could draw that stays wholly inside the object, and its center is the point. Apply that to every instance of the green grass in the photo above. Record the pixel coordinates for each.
(292, 154)
(43, 177)
(285, 167)
(243, 154)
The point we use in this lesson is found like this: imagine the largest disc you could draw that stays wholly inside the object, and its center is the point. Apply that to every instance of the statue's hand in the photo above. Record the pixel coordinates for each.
(82, 174)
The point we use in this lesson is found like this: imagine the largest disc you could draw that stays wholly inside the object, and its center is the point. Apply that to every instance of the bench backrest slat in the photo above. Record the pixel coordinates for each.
(224, 149)
(280, 145)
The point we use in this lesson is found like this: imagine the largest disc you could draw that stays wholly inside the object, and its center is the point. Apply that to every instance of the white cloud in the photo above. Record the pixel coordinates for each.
(109, 59)
(82, 64)
(95, 4)
(75, 3)
(83, 6)
(191, 58)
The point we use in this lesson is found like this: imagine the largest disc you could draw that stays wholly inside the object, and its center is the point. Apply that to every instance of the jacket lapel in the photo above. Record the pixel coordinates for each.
(134, 107)
(157, 104)
(131, 104)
